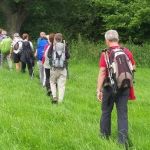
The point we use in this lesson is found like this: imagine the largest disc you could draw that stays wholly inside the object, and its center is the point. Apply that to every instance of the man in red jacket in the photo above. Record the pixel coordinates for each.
(106, 96)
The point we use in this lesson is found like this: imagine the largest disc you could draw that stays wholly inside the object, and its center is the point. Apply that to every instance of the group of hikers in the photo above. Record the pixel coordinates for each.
(115, 79)
(52, 56)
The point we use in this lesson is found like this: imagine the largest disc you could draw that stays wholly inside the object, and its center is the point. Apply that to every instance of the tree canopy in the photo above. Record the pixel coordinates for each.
(90, 18)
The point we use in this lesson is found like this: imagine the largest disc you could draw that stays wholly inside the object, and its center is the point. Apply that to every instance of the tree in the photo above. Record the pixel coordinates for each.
(129, 17)
(90, 18)
(15, 12)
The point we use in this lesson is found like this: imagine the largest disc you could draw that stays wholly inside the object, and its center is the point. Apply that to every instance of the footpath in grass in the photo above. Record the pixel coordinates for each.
(30, 122)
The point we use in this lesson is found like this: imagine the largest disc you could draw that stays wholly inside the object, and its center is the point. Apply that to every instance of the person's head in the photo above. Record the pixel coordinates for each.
(111, 36)
(42, 34)
(51, 37)
(16, 35)
(25, 36)
(4, 32)
(58, 37)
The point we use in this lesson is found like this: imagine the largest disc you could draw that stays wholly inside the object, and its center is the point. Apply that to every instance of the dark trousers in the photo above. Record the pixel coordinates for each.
(47, 82)
(108, 101)
(30, 67)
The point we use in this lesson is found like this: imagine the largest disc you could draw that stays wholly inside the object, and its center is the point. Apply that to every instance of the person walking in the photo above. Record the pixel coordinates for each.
(5, 46)
(110, 90)
(46, 62)
(59, 58)
(27, 57)
(41, 43)
(15, 51)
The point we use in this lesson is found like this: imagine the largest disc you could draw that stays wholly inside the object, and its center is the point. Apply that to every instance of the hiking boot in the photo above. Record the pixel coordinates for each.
(55, 100)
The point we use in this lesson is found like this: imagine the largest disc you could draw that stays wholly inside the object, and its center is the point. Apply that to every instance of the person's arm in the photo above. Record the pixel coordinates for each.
(35, 54)
(11, 50)
(100, 81)
(31, 46)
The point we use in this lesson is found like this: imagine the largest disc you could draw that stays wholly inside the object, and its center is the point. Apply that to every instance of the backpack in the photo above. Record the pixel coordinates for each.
(120, 68)
(26, 53)
(58, 55)
(26, 47)
(17, 46)
(5, 45)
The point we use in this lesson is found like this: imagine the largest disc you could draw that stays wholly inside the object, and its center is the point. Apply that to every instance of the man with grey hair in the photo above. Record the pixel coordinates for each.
(112, 35)
(105, 92)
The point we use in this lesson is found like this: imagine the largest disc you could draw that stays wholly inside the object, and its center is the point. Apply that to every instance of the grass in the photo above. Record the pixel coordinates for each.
(28, 120)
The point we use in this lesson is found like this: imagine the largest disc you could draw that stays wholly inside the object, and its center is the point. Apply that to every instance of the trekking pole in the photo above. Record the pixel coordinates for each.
(66, 60)
(112, 82)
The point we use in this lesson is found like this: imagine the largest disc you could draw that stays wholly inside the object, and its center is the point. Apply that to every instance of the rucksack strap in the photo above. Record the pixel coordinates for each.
(110, 74)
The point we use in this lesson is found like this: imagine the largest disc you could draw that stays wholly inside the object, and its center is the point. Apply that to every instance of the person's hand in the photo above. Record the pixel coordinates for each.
(35, 54)
(99, 95)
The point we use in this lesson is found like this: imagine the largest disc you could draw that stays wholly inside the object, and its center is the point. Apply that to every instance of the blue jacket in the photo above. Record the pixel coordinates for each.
(41, 43)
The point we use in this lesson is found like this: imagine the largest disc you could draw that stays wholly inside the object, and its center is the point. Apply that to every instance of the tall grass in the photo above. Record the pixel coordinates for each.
(30, 122)
(83, 49)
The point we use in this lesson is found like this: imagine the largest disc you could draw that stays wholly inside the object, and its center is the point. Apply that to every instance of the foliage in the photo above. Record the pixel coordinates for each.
(129, 17)
(90, 18)
(86, 50)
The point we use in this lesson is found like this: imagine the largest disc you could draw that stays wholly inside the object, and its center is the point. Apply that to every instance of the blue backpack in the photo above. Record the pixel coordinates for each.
(42, 42)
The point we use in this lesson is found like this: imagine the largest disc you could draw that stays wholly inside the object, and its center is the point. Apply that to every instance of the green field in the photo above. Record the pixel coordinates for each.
(28, 120)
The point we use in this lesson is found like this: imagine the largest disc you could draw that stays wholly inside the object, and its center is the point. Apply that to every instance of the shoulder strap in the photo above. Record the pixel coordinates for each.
(106, 56)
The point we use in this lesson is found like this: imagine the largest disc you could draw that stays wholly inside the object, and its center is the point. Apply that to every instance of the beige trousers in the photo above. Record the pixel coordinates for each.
(58, 80)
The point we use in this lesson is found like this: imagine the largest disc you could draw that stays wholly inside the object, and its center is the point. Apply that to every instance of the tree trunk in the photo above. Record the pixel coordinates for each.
(14, 22)
(14, 19)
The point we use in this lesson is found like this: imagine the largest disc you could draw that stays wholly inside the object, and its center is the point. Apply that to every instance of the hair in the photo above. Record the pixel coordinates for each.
(112, 36)
(16, 35)
(25, 36)
(51, 37)
(4, 32)
(58, 37)
(42, 34)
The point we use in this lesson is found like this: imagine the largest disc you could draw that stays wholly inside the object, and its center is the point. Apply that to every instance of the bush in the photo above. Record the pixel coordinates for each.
(85, 50)
(141, 54)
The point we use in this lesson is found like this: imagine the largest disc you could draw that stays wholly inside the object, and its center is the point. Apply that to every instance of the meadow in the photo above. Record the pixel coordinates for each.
(28, 120)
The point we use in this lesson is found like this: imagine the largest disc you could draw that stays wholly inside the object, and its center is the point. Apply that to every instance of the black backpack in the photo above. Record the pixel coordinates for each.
(26, 52)
(16, 46)
(26, 46)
